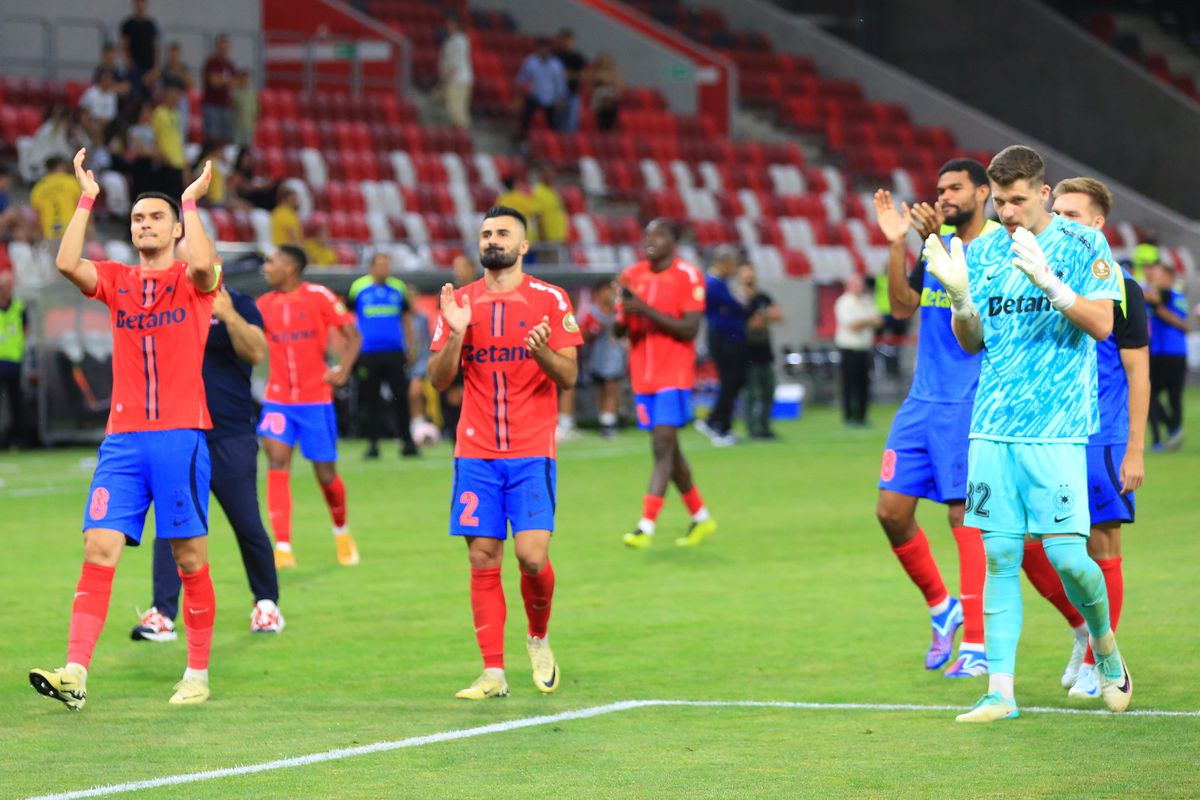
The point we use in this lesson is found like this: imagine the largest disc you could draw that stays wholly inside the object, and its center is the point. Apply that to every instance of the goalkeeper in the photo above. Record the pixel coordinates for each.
(1015, 296)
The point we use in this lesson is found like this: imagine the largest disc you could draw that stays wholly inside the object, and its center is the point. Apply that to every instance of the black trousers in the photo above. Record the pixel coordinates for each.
(731, 359)
(1167, 375)
(532, 107)
(10, 394)
(235, 485)
(376, 369)
(856, 384)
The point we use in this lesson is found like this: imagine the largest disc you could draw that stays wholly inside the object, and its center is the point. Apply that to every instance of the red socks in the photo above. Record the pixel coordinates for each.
(92, 594)
(1044, 577)
(1115, 580)
(537, 591)
(651, 505)
(487, 606)
(335, 498)
(972, 570)
(279, 505)
(199, 613)
(918, 562)
(693, 500)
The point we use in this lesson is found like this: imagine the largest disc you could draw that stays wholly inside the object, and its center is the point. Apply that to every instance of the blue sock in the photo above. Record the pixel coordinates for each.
(1082, 579)
(1002, 601)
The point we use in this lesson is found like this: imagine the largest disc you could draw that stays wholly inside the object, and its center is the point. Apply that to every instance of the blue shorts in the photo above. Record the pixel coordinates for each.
(926, 451)
(314, 424)
(170, 468)
(671, 407)
(1027, 487)
(492, 494)
(1105, 501)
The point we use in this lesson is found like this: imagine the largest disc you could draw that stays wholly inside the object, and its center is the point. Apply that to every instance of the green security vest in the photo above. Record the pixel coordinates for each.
(12, 332)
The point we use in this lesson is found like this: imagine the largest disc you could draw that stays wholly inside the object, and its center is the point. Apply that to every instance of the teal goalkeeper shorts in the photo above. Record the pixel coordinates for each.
(1026, 487)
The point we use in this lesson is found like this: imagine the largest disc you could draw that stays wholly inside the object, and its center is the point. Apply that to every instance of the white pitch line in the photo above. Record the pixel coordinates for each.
(530, 722)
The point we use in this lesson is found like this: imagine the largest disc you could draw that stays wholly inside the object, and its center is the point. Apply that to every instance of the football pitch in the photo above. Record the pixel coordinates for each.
(793, 634)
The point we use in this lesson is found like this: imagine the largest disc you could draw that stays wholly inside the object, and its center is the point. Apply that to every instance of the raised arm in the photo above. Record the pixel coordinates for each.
(198, 249)
(895, 224)
(443, 364)
(951, 271)
(70, 261)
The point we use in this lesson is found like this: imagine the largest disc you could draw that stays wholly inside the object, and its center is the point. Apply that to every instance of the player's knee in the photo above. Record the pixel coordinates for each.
(1069, 557)
(1004, 555)
(895, 522)
(532, 564)
(956, 515)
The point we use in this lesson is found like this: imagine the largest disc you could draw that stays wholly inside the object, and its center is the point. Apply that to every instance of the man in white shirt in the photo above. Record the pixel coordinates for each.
(857, 318)
(100, 99)
(457, 76)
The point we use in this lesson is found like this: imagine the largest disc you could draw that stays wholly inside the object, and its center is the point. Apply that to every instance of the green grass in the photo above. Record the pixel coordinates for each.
(796, 598)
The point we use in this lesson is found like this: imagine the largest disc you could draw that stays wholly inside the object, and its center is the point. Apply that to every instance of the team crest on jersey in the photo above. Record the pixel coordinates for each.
(698, 293)
(339, 307)
(570, 325)
(1064, 498)
(1101, 269)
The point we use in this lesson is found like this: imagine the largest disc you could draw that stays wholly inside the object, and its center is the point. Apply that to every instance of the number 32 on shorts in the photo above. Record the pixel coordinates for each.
(978, 495)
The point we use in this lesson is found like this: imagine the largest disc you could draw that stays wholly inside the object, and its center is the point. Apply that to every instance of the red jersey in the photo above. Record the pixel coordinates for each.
(160, 324)
(509, 407)
(657, 360)
(297, 326)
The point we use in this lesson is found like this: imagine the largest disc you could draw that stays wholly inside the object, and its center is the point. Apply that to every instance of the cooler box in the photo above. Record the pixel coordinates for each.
(789, 401)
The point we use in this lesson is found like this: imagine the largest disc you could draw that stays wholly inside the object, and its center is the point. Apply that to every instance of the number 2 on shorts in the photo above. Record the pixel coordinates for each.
(470, 502)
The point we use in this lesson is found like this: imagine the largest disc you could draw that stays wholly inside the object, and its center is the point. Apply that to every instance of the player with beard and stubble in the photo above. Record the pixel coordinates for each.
(515, 339)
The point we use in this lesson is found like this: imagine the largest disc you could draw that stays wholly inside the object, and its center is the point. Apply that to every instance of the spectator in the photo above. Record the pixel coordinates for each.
(216, 106)
(174, 69)
(8, 212)
(245, 109)
(1168, 313)
(100, 101)
(725, 318)
(551, 215)
(573, 65)
(544, 83)
(168, 139)
(456, 74)
(761, 313)
(604, 355)
(247, 188)
(320, 253)
(857, 319)
(285, 221)
(517, 196)
(139, 44)
(606, 91)
(141, 152)
(14, 323)
(54, 197)
(51, 140)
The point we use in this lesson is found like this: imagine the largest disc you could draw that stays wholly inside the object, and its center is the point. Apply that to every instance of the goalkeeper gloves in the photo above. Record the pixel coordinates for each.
(951, 271)
(1029, 258)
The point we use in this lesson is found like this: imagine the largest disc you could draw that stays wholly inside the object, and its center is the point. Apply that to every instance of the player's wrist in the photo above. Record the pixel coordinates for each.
(1060, 295)
(86, 201)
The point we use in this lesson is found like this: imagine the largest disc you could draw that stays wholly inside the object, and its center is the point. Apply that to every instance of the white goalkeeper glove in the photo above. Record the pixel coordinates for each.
(1029, 258)
(951, 271)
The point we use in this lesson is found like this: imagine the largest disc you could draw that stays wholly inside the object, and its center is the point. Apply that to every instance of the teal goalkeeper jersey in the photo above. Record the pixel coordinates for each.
(1037, 380)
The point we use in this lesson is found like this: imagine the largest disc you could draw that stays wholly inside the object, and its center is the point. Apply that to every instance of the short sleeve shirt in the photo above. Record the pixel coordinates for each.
(657, 360)
(297, 325)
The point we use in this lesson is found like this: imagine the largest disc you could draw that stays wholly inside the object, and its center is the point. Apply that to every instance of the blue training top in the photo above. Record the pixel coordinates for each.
(1167, 340)
(380, 311)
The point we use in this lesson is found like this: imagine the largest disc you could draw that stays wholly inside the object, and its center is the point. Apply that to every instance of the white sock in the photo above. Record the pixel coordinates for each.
(1081, 632)
(1002, 684)
(970, 647)
(608, 419)
(338, 531)
(200, 674)
(495, 672)
(701, 515)
(284, 547)
(566, 421)
(646, 526)
(940, 608)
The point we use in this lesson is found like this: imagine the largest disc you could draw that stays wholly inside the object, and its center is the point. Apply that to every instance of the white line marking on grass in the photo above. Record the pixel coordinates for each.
(530, 722)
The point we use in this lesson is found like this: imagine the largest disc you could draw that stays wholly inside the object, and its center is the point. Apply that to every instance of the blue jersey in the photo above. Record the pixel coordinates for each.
(1037, 381)
(380, 310)
(1167, 340)
(945, 372)
(227, 377)
(1129, 333)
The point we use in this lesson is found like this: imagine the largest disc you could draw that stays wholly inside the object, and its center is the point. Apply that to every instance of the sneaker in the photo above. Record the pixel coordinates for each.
(724, 440)
(1087, 685)
(638, 539)
(1078, 651)
(697, 533)
(68, 685)
(153, 627)
(372, 453)
(190, 692)
(945, 625)
(284, 559)
(1116, 685)
(266, 617)
(1175, 440)
(347, 552)
(990, 708)
(703, 428)
(485, 686)
(409, 450)
(969, 664)
(545, 668)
